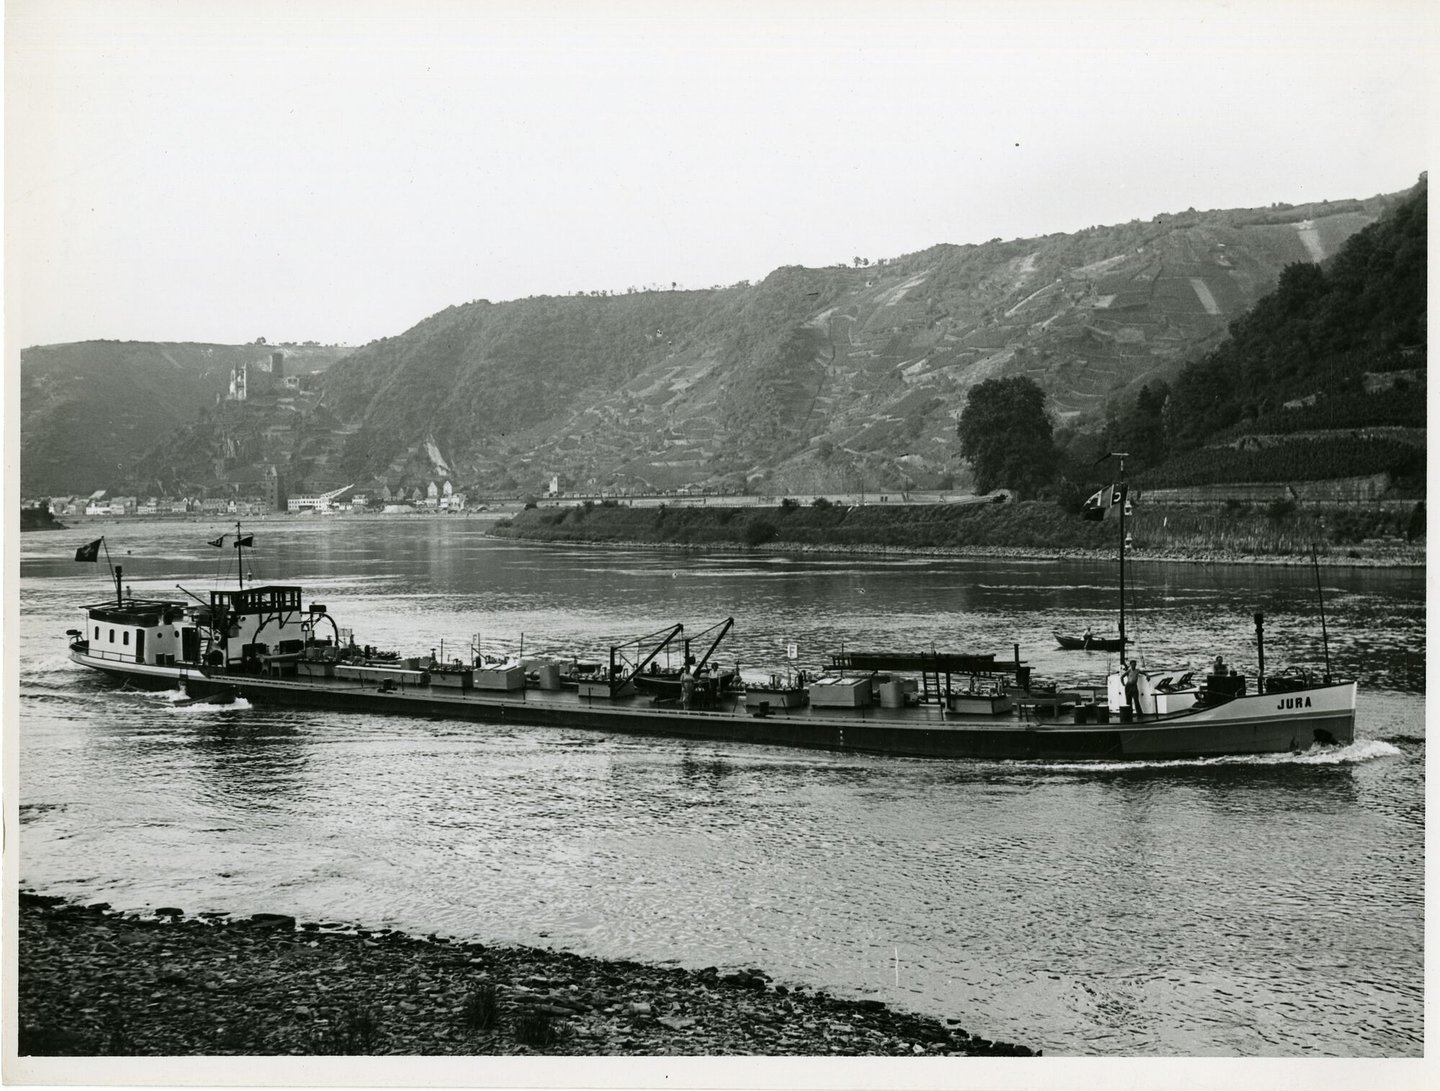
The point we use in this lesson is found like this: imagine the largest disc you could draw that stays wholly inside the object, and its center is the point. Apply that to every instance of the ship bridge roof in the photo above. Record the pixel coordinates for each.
(254, 600)
(136, 611)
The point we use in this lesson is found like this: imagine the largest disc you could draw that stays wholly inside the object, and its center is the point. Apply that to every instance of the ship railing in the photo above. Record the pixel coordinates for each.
(116, 657)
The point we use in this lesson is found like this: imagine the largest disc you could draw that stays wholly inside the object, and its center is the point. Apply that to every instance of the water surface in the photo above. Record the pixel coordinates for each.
(1262, 906)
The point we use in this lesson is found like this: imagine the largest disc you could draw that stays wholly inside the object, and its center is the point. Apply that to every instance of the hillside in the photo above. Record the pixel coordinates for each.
(90, 410)
(1317, 335)
(1325, 377)
(812, 380)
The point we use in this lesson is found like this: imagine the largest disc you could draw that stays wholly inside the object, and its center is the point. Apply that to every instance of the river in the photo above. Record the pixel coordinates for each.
(1244, 907)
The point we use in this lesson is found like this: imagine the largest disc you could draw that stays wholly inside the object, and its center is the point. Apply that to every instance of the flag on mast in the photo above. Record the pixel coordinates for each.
(90, 552)
(248, 540)
(218, 542)
(1118, 499)
(1106, 500)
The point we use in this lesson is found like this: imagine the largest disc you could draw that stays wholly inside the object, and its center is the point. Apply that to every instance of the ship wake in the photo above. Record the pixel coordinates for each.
(1356, 753)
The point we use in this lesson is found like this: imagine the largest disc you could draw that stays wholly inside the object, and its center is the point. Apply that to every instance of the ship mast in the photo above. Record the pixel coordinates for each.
(240, 561)
(1124, 541)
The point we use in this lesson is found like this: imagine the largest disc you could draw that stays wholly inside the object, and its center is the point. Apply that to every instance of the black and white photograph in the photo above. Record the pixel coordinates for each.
(745, 543)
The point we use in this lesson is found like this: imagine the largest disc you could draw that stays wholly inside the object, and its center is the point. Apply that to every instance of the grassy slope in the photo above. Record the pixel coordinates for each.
(1185, 530)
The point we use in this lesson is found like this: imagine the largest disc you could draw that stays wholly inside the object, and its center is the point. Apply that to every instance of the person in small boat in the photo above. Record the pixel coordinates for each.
(1132, 687)
(1220, 665)
(1089, 635)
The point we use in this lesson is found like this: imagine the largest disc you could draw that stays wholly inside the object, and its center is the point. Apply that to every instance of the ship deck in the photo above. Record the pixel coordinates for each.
(1032, 730)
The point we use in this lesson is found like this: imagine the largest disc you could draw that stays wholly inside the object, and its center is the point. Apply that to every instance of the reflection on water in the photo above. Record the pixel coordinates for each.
(1228, 906)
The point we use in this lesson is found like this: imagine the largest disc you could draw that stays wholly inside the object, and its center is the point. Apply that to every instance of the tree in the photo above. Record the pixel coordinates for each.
(1141, 431)
(1007, 436)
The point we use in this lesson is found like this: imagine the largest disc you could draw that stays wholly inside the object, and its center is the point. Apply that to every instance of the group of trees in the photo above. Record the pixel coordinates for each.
(1317, 334)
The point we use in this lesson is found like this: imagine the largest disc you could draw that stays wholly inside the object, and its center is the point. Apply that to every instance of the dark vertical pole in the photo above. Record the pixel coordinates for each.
(1123, 650)
(1324, 632)
(119, 597)
(1260, 648)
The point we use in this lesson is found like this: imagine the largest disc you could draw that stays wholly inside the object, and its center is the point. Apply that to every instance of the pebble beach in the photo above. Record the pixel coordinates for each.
(93, 982)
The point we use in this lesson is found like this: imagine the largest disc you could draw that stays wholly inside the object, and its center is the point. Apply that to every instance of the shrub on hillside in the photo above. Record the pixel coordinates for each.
(1279, 510)
(1416, 527)
(760, 531)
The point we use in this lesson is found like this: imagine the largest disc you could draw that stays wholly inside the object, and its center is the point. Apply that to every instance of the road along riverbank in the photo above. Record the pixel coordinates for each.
(93, 982)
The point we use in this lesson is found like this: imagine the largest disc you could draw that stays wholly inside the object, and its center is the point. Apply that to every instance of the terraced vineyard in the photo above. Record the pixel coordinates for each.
(838, 379)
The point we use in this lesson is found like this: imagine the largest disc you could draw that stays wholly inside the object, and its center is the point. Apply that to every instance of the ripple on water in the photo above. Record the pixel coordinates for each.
(1221, 906)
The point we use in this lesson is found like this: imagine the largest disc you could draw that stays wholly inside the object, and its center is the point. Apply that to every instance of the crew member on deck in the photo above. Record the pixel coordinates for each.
(1132, 687)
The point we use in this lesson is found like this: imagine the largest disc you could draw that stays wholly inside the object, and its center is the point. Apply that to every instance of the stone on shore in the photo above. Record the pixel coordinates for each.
(93, 982)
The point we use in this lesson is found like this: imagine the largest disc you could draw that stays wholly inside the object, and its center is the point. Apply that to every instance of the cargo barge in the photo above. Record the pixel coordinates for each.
(1068, 725)
(268, 646)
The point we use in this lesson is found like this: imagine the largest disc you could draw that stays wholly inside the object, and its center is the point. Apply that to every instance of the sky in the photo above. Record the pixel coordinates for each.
(337, 170)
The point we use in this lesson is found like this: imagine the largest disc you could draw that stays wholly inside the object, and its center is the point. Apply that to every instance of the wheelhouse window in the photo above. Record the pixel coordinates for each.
(112, 636)
(125, 637)
(97, 632)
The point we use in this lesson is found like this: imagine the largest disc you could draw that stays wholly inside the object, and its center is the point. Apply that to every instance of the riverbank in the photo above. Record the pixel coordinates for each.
(38, 519)
(1218, 535)
(1178, 534)
(92, 982)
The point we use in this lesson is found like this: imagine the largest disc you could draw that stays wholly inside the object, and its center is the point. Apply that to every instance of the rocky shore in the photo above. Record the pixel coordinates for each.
(93, 982)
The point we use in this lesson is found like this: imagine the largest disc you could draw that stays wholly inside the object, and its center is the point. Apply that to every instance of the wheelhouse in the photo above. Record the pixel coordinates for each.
(260, 623)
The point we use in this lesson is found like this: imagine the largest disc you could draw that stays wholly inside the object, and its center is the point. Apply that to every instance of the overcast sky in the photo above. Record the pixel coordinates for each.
(339, 170)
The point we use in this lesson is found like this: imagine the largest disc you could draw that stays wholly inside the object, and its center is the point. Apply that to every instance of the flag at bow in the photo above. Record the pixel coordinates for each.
(90, 552)
(218, 542)
(248, 540)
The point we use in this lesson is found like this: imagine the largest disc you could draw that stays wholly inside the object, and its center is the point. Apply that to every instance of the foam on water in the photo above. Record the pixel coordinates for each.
(55, 663)
(240, 704)
(1354, 754)
(175, 697)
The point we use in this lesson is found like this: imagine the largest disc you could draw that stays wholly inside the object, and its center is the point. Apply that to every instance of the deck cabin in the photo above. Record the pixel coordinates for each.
(154, 632)
(265, 628)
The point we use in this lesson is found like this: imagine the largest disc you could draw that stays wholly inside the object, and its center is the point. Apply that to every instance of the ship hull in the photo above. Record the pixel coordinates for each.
(1249, 725)
(152, 676)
